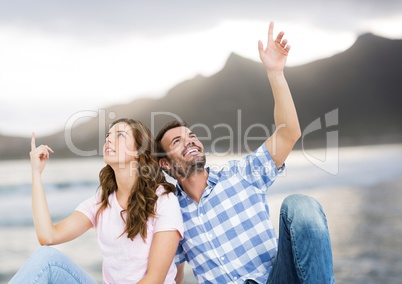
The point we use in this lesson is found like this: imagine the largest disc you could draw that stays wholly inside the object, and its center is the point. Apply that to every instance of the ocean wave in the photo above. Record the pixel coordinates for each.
(23, 188)
(62, 197)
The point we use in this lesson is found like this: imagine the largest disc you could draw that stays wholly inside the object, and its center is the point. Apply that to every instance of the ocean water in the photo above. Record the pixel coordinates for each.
(68, 182)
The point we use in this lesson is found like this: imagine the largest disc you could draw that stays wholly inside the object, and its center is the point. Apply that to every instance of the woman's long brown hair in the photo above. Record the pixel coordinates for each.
(142, 200)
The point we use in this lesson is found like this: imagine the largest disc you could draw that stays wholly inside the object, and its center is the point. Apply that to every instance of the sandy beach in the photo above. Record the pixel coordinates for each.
(365, 225)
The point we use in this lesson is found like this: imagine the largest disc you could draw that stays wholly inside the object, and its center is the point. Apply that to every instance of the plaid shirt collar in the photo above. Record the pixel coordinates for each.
(211, 182)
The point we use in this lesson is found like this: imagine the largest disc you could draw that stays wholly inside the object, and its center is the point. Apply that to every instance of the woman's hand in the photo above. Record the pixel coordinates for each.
(39, 155)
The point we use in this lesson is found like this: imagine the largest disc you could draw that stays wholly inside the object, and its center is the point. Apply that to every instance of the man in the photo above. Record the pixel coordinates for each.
(229, 237)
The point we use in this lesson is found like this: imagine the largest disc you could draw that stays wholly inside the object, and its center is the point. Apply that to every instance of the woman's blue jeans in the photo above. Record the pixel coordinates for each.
(304, 246)
(49, 265)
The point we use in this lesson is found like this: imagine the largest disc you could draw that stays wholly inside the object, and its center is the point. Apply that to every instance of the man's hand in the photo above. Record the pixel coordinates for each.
(274, 56)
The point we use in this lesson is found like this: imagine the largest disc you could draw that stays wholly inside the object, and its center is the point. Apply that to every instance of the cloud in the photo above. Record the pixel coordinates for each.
(94, 18)
(60, 57)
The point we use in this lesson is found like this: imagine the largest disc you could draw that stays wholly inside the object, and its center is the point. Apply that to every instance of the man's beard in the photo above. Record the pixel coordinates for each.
(188, 168)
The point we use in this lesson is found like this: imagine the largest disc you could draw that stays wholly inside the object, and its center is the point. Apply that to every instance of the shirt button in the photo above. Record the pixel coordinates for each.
(222, 258)
(202, 215)
(210, 235)
(235, 278)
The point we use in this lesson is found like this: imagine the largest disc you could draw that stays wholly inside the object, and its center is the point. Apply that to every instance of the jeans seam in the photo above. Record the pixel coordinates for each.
(295, 251)
(61, 266)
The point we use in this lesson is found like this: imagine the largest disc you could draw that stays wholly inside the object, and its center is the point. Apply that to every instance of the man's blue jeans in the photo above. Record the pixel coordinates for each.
(49, 265)
(304, 247)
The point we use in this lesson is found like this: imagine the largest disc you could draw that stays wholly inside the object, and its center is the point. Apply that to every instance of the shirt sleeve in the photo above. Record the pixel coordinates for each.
(168, 215)
(257, 168)
(88, 208)
(180, 257)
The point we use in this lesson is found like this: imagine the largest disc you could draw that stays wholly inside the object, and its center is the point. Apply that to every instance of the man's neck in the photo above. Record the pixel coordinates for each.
(194, 185)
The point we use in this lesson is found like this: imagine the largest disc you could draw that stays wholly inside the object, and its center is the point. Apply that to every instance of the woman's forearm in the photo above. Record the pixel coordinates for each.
(40, 210)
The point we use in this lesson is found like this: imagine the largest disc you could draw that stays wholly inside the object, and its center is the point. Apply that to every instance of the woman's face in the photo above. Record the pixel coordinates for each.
(119, 145)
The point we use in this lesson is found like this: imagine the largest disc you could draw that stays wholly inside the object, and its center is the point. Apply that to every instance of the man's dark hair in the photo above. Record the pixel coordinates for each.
(161, 153)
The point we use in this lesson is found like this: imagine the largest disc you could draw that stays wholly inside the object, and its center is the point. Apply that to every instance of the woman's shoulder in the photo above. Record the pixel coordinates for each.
(163, 193)
(97, 198)
(160, 190)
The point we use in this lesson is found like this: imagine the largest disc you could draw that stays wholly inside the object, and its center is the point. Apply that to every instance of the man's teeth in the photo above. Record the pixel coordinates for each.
(191, 151)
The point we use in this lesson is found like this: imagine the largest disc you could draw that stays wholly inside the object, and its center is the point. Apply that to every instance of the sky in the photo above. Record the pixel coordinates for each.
(58, 58)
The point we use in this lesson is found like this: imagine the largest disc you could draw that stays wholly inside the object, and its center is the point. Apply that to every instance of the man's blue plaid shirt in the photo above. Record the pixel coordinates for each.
(228, 236)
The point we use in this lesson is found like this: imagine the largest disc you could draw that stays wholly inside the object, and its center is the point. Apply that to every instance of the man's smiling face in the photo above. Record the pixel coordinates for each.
(185, 153)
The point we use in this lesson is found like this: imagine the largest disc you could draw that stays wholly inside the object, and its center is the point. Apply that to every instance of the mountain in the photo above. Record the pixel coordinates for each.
(362, 84)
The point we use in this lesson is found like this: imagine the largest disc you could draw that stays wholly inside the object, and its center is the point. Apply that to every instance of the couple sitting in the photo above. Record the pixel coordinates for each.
(217, 221)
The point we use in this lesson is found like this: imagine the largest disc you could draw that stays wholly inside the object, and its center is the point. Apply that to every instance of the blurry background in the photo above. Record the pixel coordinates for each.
(68, 69)
(58, 58)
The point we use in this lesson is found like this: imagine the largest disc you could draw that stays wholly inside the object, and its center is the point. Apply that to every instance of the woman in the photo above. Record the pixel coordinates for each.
(136, 215)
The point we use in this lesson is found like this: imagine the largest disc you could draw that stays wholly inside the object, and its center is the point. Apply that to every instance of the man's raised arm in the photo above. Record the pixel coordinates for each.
(287, 132)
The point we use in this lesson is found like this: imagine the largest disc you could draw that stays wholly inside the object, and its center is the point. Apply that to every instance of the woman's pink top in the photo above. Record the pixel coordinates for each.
(125, 260)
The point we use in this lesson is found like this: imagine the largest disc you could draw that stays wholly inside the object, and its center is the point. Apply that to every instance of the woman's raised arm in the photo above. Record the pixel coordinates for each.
(48, 233)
